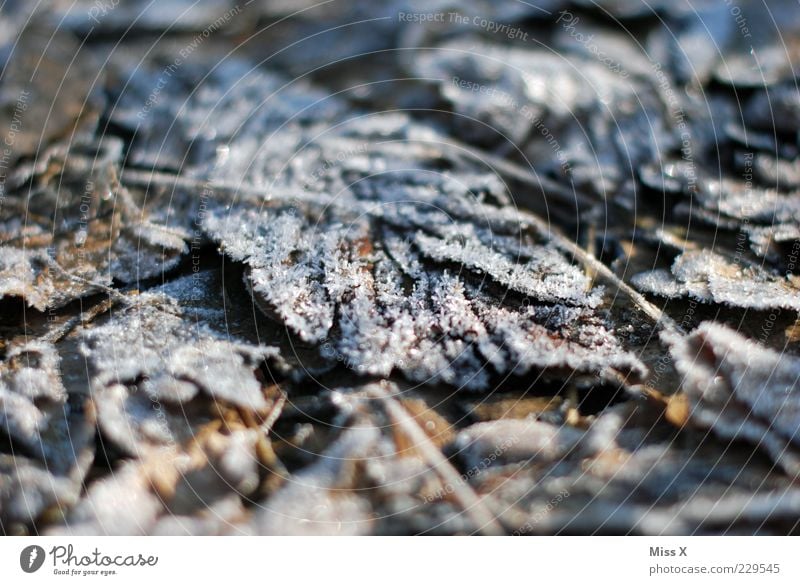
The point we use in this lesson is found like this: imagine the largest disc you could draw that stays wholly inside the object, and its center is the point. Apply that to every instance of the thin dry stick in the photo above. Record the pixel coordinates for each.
(590, 262)
(511, 170)
(274, 413)
(462, 492)
(84, 318)
(111, 292)
(147, 179)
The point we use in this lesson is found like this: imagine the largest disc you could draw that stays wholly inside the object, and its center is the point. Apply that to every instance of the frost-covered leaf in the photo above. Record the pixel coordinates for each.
(76, 230)
(168, 482)
(51, 436)
(51, 89)
(407, 266)
(511, 441)
(36, 413)
(625, 474)
(31, 394)
(148, 365)
(28, 489)
(708, 277)
(572, 117)
(316, 501)
(742, 390)
(121, 504)
(203, 119)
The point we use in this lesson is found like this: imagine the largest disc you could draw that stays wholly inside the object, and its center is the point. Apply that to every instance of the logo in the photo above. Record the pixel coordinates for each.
(31, 558)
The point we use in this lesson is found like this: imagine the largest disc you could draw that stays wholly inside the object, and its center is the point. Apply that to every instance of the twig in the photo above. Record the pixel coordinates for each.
(592, 263)
(274, 413)
(84, 318)
(514, 171)
(147, 178)
(462, 492)
(111, 292)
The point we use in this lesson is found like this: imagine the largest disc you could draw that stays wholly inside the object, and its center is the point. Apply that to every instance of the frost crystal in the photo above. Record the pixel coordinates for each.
(710, 278)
